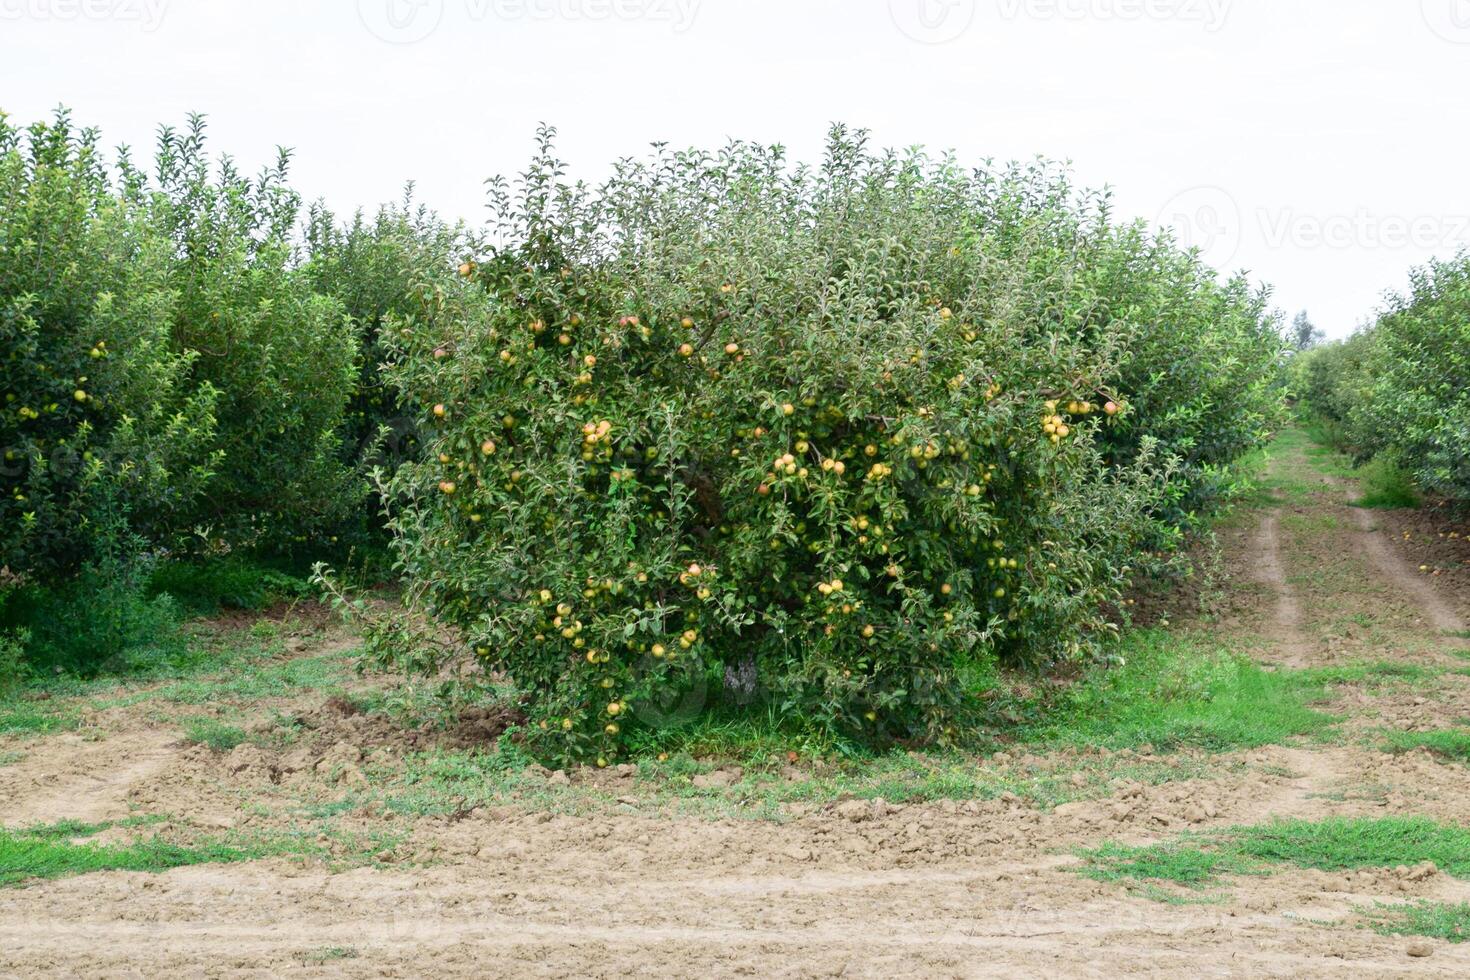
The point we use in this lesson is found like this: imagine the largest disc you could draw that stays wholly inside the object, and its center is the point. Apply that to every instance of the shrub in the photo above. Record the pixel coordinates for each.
(829, 435)
(373, 267)
(1419, 408)
(230, 582)
(1202, 366)
(99, 415)
(101, 621)
(13, 668)
(282, 356)
(1401, 390)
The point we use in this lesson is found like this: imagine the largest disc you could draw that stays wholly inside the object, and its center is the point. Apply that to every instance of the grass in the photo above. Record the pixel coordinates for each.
(1343, 844)
(1180, 695)
(1181, 689)
(207, 585)
(1337, 844)
(1386, 487)
(1453, 744)
(215, 734)
(54, 852)
(330, 954)
(440, 783)
(327, 674)
(64, 849)
(1433, 920)
(222, 667)
(1372, 675)
(747, 739)
(1287, 480)
(1177, 863)
(19, 716)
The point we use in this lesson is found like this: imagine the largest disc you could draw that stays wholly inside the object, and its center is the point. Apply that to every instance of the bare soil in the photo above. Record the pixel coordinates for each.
(838, 888)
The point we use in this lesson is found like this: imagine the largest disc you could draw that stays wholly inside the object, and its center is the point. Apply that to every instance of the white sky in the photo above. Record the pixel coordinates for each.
(1320, 144)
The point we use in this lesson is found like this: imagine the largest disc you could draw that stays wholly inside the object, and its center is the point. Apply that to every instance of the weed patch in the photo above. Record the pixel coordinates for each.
(1337, 844)
(213, 733)
(1453, 744)
(1177, 690)
(203, 587)
(1386, 487)
(1433, 920)
(54, 852)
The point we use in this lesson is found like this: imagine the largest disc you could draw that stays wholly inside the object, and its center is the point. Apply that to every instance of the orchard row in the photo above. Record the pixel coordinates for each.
(1401, 388)
(724, 431)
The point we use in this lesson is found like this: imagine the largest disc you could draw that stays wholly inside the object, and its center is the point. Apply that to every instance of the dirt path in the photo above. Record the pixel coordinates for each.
(86, 781)
(1288, 643)
(1394, 568)
(839, 889)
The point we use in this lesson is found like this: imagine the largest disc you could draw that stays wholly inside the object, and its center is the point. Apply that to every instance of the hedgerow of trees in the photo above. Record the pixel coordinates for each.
(1400, 390)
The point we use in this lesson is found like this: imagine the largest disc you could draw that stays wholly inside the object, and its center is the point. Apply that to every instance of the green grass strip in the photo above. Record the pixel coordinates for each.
(1179, 689)
(1452, 744)
(1433, 920)
(53, 852)
(1338, 844)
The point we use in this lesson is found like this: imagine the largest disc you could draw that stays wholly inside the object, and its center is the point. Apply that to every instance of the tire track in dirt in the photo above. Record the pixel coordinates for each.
(1392, 566)
(241, 924)
(1314, 772)
(1270, 571)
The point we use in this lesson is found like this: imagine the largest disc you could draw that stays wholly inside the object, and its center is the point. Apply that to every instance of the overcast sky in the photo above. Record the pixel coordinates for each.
(1319, 144)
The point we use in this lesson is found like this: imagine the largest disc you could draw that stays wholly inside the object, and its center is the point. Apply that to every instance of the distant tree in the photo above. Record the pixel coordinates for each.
(1304, 334)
